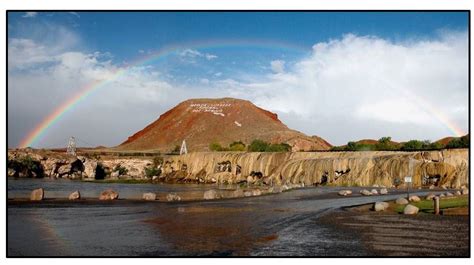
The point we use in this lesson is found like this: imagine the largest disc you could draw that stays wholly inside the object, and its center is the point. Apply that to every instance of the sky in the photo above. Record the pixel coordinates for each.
(340, 75)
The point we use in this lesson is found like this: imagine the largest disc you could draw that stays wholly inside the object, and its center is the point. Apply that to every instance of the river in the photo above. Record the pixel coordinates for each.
(283, 224)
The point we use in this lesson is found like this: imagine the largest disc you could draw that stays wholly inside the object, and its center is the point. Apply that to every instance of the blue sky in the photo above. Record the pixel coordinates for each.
(110, 40)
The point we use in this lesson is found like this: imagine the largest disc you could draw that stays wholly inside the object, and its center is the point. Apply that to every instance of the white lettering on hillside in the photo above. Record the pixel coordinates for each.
(215, 109)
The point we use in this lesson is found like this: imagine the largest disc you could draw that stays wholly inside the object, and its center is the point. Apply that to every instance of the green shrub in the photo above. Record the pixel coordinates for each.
(460, 142)
(122, 170)
(215, 147)
(237, 146)
(258, 146)
(152, 171)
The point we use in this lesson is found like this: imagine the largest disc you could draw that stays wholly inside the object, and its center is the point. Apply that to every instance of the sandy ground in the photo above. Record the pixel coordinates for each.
(393, 234)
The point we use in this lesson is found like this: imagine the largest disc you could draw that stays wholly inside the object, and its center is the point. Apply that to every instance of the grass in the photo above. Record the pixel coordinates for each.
(427, 206)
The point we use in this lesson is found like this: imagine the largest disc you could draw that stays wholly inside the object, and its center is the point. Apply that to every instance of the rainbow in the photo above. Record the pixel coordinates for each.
(39, 131)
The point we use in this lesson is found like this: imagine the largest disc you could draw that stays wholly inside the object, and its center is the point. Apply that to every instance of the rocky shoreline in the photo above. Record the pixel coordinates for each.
(446, 168)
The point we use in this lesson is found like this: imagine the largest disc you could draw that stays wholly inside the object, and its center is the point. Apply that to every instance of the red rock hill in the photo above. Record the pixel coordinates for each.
(203, 121)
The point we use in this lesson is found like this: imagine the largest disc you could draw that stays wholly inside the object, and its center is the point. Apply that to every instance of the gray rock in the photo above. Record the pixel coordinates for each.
(449, 194)
(414, 198)
(149, 196)
(211, 195)
(430, 196)
(401, 200)
(383, 191)
(75, 196)
(365, 192)
(380, 206)
(108, 195)
(344, 192)
(410, 209)
(442, 195)
(374, 192)
(173, 197)
(37, 195)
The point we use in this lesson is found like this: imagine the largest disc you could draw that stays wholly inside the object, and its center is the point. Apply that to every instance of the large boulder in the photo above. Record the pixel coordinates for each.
(344, 192)
(173, 197)
(449, 194)
(380, 206)
(410, 209)
(211, 195)
(383, 191)
(108, 195)
(401, 201)
(75, 195)
(149, 196)
(90, 167)
(365, 192)
(374, 192)
(414, 198)
(37, 195)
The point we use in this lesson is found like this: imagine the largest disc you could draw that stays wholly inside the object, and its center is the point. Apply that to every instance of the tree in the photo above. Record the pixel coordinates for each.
(413, 145)
(215, 147)
(258, 146)
(237, 146)
(351, 146)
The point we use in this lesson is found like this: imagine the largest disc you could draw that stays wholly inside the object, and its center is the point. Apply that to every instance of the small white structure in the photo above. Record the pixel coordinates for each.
(184, 149)
(71, 146)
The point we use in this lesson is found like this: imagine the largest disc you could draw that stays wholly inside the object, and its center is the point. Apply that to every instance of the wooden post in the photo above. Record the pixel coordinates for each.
(436, 205)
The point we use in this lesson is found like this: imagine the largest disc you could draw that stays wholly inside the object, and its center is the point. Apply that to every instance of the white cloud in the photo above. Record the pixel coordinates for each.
(277, 66)
(349, 88)
(30, 14)
(191, 53)
(373, 81)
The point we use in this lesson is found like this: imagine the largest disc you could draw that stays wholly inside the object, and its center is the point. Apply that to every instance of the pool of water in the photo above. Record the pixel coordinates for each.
(277, 225)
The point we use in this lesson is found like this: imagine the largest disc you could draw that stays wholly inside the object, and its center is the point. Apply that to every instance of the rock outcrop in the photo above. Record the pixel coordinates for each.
(447, 168)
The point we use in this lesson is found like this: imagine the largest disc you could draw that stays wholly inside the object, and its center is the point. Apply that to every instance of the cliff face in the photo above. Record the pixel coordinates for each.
(449, 168)
(203, 121)
(440, 168)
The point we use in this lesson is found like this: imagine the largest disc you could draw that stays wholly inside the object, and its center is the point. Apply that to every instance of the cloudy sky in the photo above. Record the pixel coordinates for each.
(341, 76)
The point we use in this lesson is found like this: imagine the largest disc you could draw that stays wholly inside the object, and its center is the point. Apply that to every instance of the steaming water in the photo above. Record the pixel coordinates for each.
(282, 224)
